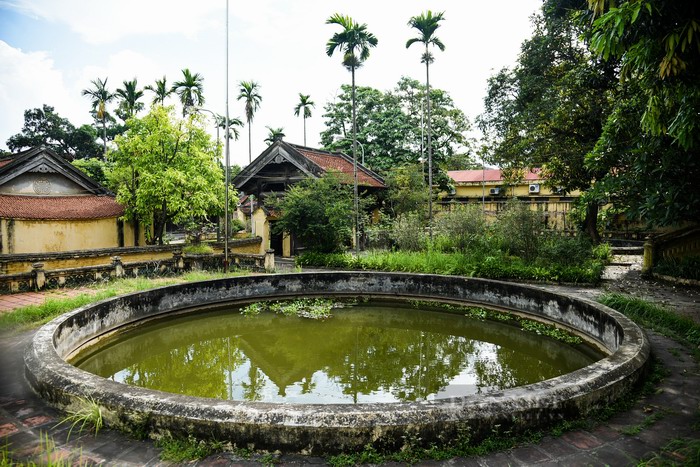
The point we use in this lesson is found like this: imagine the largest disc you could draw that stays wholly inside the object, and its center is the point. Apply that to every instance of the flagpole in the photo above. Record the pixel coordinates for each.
(227, 150)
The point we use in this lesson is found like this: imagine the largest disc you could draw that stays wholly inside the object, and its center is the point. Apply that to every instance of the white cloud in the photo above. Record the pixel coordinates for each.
(29, 80)
(100, 21)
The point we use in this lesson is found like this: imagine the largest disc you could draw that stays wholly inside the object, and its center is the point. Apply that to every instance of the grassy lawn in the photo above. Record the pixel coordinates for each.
(33, 315)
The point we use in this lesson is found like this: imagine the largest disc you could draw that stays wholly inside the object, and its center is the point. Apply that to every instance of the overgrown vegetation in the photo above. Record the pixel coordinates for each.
(513, 247)
(38, 314)
(685, 268)
(657, 318)
(198, 249)
(313, 308)
(526, 324)
(186, 449)
(46, 454)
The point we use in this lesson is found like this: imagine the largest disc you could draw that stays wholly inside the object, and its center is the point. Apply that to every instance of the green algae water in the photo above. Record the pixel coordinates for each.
(374, 352)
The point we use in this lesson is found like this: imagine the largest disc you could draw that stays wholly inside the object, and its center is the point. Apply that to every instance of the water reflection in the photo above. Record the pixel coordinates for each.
(372, 353)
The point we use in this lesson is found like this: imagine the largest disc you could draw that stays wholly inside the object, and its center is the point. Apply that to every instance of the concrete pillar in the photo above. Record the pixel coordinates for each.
(179, 261)
(39, 275)
(269, 260)
(118, 266)
(648, 259)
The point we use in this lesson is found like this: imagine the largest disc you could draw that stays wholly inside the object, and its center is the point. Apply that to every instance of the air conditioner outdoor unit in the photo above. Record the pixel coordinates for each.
(494, 191)
(535, 188)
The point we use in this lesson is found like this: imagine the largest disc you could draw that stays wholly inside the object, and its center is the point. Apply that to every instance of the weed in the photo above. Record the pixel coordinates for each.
(303, 308)
(185, 449)
(198, 249)
(657, 318)
(646, 423)
(88, 414)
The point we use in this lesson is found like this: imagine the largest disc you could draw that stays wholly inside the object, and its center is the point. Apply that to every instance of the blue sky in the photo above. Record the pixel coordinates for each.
(51, 49)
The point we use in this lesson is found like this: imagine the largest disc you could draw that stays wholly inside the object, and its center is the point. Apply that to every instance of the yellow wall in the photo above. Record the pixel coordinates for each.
(39, 236)
(51, 236)
(554, 212)
(261, 228)
(475, 190)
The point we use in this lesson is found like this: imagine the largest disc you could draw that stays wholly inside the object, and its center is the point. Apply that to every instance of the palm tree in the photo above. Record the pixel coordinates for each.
(232, 124)
(274, 134)
(354, 39)
(250, 92)
(129, 95)
(100, 97)
(190, 90)
(306, 104)
(426, 24)
(161, 91)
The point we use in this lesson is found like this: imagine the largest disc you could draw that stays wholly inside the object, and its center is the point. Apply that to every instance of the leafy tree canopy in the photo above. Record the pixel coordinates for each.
(166, 170)
(389, 125)
(319, 211)
(45, 127)
(549, 110)
(650, 143)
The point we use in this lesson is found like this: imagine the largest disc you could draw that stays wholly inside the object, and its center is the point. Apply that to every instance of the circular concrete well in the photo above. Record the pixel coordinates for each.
(330, 428)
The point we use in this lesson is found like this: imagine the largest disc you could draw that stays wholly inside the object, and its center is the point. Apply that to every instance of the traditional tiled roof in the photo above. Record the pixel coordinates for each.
(59, 207)
(488, 175)
(337, 162)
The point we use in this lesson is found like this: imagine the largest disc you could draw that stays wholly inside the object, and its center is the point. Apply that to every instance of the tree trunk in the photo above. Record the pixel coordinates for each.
(590, 223)
(430, 148)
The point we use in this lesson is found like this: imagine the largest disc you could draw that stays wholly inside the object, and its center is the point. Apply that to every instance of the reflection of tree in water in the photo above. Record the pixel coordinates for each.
(510, 368)
(189, 369)
(252, 389)
(410, 365)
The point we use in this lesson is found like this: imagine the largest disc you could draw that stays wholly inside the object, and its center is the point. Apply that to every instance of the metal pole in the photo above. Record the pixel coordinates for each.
(354, 170)
(430, 146)
(228, 157)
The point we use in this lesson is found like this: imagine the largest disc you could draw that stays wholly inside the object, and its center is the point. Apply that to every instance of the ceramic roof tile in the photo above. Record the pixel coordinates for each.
(488, 175)
(334, 162)
(59, 207)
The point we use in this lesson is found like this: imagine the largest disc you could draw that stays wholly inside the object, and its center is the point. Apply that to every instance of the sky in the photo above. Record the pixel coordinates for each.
(50, 50)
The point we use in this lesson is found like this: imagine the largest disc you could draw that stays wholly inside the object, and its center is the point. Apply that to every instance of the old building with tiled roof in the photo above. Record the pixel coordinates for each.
(48, 205)
(283, 164)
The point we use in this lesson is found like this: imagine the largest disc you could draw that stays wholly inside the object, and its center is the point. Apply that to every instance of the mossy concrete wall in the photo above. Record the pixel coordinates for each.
(335, 428)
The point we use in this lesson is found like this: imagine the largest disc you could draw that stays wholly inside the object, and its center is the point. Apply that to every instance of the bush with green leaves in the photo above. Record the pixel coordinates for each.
(408, 232)
(519, 230)
(685, 268)
(318, 211)
(462, 228)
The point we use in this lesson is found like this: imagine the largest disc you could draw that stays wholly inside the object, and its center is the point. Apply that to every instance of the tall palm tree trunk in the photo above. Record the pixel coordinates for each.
(250, 147)
(104, 138)
(430, 148)
(304, 130)
(354, 167)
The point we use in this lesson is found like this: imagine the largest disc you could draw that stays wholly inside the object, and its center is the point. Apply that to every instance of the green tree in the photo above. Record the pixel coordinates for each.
(190, 90)
(274, 134)
(166, 170)
(129, 96)
(426, 24)
(95, 168)
(389, 126)
(406, 189)
(304, 108)
(161, 91)
(100, 96)
(318, 211)
(249, 91)
(650, 144)
(549, 110)
(354, 41)
(44, 127)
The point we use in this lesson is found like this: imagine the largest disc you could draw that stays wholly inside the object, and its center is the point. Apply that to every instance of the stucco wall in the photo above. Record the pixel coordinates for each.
(38, 236)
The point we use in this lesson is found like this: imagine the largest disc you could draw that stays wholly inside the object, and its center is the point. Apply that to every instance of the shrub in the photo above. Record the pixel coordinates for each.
(463, 227)
(565, 250)
(686, 268)
(237, 225)
(519, 229)
(408, 232)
